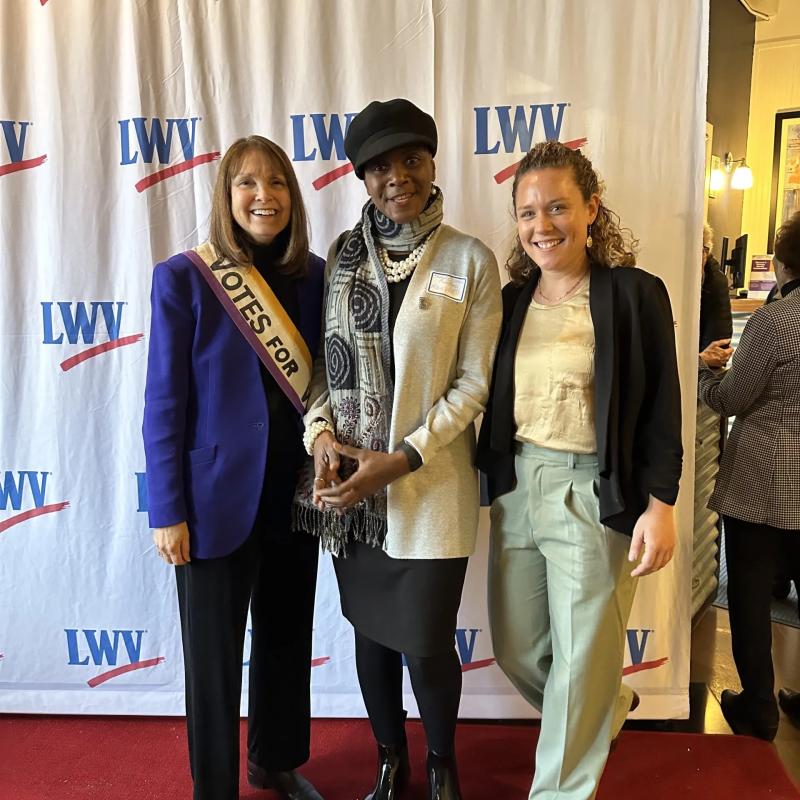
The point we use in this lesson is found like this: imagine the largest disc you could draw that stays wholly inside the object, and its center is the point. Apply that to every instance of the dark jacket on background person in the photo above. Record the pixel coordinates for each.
(637, 394)
(716, 321)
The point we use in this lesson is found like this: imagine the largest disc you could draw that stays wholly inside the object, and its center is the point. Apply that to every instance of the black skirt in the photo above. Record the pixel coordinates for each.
(406, 604)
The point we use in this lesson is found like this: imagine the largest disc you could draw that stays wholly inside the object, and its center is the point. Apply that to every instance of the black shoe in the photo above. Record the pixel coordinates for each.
(741, 720)
(789, 701)
(781, 588)
(443, 777)
(288, 784)
(394, 771)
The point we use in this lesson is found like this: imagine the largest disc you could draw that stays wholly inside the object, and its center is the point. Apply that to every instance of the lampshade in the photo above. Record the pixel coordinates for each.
(742, 177)
(716, 180)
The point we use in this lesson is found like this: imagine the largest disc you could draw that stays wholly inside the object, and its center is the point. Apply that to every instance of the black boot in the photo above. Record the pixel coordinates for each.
(443, 777)
(393, 772)
(288, 784)
(742, 719)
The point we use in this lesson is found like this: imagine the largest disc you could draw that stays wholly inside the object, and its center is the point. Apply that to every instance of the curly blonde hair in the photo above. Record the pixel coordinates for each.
(612, 246)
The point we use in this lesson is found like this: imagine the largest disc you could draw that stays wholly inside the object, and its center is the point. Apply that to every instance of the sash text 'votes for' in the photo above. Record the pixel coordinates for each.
(251, 309)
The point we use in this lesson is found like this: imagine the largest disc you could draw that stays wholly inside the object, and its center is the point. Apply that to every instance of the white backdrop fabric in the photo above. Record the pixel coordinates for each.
(112, 118)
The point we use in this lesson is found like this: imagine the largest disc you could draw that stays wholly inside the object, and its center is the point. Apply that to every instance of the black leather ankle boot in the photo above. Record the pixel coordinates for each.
(443, 777)
(393, 772)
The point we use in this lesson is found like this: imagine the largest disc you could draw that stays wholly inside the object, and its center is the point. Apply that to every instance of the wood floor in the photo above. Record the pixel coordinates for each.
(712, 670)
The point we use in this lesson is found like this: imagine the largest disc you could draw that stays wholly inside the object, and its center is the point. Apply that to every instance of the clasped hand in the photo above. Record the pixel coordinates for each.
(374, 471)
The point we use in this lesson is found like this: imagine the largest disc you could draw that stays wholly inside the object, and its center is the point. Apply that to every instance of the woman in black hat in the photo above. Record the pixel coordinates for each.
(411, 323)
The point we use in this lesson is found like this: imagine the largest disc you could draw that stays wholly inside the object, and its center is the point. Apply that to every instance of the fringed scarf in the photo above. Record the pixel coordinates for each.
(358, 352)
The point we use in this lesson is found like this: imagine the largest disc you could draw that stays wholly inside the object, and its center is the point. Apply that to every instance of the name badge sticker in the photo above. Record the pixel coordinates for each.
(451, 286)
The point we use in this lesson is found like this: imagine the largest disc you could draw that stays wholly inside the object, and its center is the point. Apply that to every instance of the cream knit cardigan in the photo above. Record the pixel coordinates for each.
(444, 343)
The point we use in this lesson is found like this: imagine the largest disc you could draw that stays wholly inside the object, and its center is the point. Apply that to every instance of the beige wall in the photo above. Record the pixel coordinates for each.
(786, 23)
(731, 41)
(775, 87)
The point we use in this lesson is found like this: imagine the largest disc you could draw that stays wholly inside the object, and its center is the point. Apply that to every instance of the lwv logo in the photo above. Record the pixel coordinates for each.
(515, 129)
(120, 649)
(79, 322)
(14, 138)
(25, 488)
(320, 137)
(152, 140)
(638, 639)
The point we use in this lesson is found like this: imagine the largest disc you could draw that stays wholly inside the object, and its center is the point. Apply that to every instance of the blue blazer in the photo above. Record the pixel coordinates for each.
(206, 422)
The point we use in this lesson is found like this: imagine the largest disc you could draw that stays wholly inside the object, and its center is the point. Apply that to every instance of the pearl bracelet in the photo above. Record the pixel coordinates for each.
(317, 427)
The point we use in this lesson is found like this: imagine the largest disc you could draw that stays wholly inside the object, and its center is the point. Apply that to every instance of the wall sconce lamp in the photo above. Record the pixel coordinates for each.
(742, 177)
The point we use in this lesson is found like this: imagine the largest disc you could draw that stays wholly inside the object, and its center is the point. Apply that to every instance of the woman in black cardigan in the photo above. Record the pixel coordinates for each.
(581, 444)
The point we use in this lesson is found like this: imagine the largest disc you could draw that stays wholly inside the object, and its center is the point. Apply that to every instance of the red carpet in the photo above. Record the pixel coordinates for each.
(78, 758)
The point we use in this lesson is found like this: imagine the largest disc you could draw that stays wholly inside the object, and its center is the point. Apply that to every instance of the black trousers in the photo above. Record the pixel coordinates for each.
(274, 572)
(753, 554)
(436, 681)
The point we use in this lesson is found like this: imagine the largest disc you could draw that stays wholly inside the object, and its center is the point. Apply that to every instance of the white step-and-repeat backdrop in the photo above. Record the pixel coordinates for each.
(113, 116)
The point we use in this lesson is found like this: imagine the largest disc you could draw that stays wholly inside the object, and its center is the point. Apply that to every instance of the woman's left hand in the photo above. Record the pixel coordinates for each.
(375, 471)
(655, 532)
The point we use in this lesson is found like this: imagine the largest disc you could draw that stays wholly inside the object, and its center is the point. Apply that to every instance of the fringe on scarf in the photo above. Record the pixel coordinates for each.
(357, 526)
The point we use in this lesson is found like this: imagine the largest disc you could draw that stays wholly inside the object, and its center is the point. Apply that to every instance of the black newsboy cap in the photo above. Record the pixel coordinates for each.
(383, 126)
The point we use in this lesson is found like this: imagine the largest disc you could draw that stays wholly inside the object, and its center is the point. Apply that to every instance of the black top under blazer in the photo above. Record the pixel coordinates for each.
(637, 394)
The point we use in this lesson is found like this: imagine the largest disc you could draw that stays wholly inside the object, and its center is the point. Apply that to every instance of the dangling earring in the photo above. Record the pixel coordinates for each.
(589, 240)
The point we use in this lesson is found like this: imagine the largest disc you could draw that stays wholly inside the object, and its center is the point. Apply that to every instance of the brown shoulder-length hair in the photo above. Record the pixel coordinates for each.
(612, 246)
(224, 232)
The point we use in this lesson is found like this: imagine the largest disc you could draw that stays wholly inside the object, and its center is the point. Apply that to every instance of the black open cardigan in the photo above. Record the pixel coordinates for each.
(637, 394)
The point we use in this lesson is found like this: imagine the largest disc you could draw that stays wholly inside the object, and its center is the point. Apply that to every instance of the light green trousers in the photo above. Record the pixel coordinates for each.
(560, 593)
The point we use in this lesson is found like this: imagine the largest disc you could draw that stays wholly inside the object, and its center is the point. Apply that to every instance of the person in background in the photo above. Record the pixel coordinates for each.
(223, 444)
(410, 328)
(758, 486)
(716, 321)
(581, 444)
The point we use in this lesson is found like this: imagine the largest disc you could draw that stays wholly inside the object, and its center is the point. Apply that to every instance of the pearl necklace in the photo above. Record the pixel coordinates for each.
(397, 271)
(569, 291)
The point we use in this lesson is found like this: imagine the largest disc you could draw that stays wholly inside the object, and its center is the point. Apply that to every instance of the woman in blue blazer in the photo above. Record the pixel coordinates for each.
(233, 323)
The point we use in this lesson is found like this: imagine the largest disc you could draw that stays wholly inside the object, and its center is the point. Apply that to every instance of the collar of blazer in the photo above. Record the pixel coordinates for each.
(790, 287)
(601, 307)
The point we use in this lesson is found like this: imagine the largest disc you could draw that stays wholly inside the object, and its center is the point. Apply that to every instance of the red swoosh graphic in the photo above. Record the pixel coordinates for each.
(486, 662)
(7, 169)
(508, 172)
(644, 665)
(34, 512)
(73, 361)
(168, 172)
(330, 177)
(318, 662)
(114, 673)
